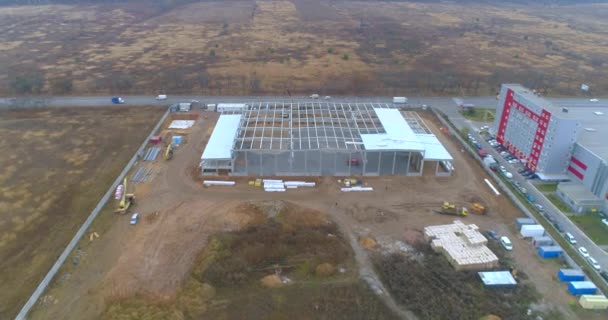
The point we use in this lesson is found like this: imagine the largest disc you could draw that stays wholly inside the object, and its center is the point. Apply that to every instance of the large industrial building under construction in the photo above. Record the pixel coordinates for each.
(321, 139)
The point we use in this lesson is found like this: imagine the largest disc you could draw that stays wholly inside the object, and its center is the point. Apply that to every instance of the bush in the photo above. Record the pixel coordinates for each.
(31, 83)
(345, 56)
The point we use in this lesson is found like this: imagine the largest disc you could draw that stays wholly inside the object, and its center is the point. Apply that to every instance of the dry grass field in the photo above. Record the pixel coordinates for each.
(56, 165)
(330, 47)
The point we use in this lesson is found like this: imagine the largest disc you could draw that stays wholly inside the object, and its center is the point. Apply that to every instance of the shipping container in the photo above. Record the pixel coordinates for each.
(542, 241)
(532, 230)
(569, 275)
(578, 288)
(594, 301)
(523, 221)
(549, 252)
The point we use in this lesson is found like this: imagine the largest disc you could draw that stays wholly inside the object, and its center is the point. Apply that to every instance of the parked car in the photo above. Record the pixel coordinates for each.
(594, 100)
(539, 207)
(558, 227)
(161, 97)
(605, 222)
(327, 98)
(502, 169)
(583, 251)
(506, 243)
(492, 234)
(134, 219)
(549, 217)
(593, 263)
(570, 237)
(604, 275)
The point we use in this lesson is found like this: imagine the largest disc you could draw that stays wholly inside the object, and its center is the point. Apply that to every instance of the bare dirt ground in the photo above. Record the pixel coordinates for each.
(330, 47)
(179, 215)
(56, 164)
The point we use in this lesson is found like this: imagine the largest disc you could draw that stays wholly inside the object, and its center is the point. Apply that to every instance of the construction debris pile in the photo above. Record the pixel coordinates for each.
(463, 245)
(271, 185)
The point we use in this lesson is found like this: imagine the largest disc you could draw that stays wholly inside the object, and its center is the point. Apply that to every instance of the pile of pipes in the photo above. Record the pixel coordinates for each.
(281, 186)
(208, 183)
(356, 189)
(151, 154)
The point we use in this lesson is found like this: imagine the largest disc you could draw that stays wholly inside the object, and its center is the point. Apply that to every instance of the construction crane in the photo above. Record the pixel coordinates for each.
(478, 208)
(169, 151)
(450, 209)
(126, 200)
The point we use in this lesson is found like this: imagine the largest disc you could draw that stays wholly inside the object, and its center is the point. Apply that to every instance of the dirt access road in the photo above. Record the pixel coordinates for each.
(179, 214)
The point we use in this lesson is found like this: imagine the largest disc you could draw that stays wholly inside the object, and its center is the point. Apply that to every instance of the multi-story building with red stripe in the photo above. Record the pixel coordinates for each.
(558, 143)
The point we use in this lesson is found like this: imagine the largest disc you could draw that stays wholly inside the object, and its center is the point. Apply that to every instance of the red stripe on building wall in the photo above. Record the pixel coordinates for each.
(576, 173)
(578, 163)
(504, 117)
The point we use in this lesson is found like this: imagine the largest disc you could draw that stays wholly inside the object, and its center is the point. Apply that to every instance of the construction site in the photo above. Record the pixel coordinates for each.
(322, 139)
(177, 241)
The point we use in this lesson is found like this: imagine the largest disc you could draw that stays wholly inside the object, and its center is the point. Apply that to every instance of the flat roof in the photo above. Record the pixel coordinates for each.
(497, 278)
(222, 138)
(398, 136)
(434, 149)
(593, 120)
(577, 192)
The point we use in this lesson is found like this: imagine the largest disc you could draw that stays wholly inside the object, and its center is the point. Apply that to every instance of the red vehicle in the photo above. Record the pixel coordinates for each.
(352, 162)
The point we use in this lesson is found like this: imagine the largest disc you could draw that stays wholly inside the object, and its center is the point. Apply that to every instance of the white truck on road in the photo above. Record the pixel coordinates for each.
(399, 100)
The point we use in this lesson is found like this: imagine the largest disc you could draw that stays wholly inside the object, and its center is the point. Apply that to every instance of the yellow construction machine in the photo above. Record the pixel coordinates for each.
(450, 209)
(169, 151)
(126, 200)
(478, 208)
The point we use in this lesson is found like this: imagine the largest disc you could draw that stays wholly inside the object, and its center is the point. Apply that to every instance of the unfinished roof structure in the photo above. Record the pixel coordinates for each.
(339, 139)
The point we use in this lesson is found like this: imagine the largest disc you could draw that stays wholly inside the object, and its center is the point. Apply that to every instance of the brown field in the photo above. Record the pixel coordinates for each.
(202, 252)
(56, 164)
(330, 47)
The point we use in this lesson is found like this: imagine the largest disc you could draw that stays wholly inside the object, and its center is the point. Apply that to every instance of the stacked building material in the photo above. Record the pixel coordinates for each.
(181, 124)
(151, 154)
(273, 185)
(463, 245)
(218, 183)
(356, 189)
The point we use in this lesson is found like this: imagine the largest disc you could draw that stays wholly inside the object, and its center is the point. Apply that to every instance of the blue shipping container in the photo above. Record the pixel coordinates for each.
(578, 288)
(549, 252)
(569, 275)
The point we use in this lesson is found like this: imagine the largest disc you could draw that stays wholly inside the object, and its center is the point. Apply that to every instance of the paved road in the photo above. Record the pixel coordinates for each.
(594, 250)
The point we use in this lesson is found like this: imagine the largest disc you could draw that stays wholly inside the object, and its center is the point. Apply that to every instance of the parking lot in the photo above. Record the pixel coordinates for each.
(514, 172)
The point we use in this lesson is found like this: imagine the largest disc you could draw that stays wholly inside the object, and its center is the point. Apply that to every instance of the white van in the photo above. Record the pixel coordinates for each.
(134, 219)
(593, 263)
(161, 97)
(506, 243)
(570, 237)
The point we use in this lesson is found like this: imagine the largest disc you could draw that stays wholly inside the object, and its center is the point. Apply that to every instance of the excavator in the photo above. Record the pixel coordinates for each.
(169, 152)
(450, 209)
(126, 200)
(478, 208)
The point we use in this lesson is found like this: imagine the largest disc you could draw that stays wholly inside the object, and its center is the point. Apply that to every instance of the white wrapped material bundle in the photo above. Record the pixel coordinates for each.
(218, 183)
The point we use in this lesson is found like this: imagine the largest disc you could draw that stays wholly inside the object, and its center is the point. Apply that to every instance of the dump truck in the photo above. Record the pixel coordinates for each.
(450, 209)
